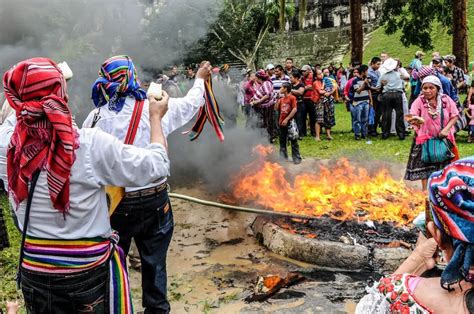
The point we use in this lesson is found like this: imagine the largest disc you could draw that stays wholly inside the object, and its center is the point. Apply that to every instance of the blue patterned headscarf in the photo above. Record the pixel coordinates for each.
(117, 80)
(452, 207)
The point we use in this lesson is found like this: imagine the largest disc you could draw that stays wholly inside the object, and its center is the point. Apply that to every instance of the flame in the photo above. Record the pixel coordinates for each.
(342, 192)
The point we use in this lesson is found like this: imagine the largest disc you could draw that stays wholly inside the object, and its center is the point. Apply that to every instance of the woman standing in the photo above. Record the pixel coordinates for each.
(262, 102)
(426, 113)
(323, 90)
(69, 261)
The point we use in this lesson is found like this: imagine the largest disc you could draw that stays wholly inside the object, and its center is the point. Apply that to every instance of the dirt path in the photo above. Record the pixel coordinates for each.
(214, 260)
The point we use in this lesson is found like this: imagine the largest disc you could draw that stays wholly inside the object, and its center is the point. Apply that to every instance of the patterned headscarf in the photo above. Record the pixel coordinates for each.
(44, 138)
(117, 80)
(261, 74)
(423, 72)
(452, 207)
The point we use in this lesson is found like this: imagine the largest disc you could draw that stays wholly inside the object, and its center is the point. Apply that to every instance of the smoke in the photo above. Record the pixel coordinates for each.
(207, 160)
(155, 33)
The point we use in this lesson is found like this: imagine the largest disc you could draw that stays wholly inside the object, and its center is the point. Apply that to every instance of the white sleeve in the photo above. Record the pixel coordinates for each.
(182, 110)
(114, 163)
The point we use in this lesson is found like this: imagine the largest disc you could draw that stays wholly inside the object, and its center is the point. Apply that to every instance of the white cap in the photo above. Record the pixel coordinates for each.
(67, 72)
(269, 67)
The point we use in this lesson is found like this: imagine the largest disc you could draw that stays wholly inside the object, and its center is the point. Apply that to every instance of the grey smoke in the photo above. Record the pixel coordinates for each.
(155, 33)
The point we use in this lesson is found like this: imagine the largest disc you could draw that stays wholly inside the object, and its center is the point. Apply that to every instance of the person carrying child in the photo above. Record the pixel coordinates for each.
(287, 108)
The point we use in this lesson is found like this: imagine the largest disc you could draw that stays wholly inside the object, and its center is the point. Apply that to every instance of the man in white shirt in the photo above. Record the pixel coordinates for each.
(145, 213)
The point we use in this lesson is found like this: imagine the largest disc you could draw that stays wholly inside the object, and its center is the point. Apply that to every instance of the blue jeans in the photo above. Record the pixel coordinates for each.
(85, 292)
(360, 117)
(149, 220)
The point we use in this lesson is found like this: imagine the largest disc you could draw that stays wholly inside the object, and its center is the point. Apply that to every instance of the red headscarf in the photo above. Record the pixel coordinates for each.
(44, 138)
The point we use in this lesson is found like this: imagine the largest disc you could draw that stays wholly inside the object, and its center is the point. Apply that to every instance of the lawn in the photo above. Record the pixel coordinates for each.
(344, 144)
(391, 44)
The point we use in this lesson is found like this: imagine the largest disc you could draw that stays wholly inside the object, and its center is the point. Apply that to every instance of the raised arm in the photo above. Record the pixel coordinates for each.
(182, 110)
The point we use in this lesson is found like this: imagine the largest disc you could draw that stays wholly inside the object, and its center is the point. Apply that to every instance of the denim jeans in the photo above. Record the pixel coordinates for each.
(149, 220)
(360, 117)
(84, 292)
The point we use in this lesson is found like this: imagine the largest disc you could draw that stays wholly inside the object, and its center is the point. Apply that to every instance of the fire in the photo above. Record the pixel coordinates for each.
(342, 192)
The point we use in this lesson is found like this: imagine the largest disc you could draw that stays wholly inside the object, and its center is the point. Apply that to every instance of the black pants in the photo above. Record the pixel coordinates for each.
(301, 119)
(149, 220)
(392, 101)
(84, 292)
(295, 149)
(378, 112)
(309, 110)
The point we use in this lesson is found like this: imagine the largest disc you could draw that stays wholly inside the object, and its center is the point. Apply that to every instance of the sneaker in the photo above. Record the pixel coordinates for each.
(297, 161)
(357, 138)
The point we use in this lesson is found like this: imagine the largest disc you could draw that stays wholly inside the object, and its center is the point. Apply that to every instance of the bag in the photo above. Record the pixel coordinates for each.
(437, 150)
(293, 133)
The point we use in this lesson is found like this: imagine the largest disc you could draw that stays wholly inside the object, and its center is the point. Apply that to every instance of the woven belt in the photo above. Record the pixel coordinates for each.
(147, 192)
(392, 91)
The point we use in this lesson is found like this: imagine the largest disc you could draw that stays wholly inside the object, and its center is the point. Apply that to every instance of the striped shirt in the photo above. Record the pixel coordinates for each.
(265, 89)
(361, 97)
(278, 81)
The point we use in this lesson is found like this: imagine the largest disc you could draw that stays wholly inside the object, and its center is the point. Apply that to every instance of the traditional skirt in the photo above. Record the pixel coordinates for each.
(73, 256)
(417, 169)
(325, 112)
(4, 243)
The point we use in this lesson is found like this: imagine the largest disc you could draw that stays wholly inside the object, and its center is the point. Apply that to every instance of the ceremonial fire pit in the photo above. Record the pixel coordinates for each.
(331, 243)
(363, 216)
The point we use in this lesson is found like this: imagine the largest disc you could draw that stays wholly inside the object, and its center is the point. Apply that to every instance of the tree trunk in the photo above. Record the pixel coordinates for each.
(301, 13)
(357, 31)
(282, 15)
(460, 47)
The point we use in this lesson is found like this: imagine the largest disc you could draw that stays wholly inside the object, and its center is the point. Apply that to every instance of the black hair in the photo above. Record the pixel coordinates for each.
(374, 60)
(291, 59)
(279, 67)
(296, 73)
(469, 299)
(362, 68)
(287, 86)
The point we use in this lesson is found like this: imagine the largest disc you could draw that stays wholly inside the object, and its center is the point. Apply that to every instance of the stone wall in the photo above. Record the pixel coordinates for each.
(317, 46)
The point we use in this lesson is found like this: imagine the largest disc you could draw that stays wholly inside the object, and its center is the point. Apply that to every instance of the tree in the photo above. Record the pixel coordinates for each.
(282, 15)
(415, 19)
(241, 28)
(302, 10)
(357, 31)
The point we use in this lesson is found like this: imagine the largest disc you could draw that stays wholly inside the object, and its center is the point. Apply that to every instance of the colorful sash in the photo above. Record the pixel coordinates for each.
(210, 111)
(74, 256)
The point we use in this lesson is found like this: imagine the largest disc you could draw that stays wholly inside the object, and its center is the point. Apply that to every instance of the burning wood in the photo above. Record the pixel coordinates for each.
(342, 192)
(268, 286)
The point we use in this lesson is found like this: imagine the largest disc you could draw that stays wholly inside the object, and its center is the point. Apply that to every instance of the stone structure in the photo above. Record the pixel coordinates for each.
(325, 36)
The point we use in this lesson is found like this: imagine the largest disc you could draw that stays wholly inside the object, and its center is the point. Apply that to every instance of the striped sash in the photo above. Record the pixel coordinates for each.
(74, 256)
(210, 111)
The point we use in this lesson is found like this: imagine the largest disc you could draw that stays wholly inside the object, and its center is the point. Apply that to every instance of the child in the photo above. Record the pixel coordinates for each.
(470, 115)
(287, 108)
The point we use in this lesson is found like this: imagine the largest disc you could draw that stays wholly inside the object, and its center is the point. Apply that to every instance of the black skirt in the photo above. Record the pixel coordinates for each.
(416, 168)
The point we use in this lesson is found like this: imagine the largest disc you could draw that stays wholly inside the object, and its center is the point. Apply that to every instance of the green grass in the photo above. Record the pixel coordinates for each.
(344, 144)
(391, 44)
(9, 259)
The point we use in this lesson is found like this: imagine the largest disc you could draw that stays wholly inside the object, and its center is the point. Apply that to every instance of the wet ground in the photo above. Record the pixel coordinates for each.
(214, 261)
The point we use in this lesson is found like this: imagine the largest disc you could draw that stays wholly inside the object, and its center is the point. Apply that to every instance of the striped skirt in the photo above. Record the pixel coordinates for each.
(74, 256)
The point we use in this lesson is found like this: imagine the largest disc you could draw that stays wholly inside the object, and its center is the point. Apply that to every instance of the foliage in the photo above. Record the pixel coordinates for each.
(415, 19)
(240, 30)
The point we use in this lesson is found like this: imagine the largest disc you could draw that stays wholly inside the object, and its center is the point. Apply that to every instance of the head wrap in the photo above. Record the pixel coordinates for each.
(44, 137)
(451, 196)
(433, 80)
(262, 75)
(117, 80)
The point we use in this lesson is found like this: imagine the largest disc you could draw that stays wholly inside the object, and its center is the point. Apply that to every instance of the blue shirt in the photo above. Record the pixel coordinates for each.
(448, 88)
(374, 76)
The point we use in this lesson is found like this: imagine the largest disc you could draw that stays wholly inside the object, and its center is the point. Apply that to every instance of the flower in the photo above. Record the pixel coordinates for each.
(404, 297)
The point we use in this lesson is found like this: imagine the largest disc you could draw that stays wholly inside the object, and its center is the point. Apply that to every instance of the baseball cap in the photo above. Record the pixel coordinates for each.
(419, 53)
(269, 67)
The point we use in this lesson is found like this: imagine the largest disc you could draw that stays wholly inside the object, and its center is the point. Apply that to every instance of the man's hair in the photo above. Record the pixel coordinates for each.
(362, 68)
(374, 60)
(291, 59)
(296, 73)
(286, 86)
(279, 67)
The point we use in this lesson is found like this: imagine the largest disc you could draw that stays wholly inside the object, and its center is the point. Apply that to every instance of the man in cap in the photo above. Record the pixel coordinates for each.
(270, 69)
(456, 73)
(391, 86)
